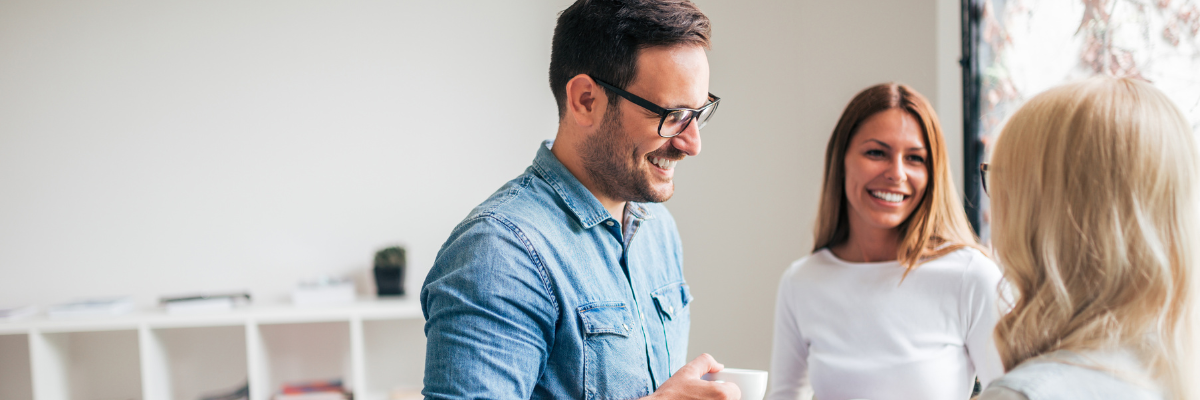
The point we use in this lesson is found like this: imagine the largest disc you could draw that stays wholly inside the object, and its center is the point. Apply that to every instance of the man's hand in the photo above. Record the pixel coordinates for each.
(686, 383)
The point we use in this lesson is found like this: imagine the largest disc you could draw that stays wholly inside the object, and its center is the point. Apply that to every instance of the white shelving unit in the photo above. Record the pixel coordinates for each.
(374, 346)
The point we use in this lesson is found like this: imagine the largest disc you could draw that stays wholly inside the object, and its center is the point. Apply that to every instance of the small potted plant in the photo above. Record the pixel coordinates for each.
(389, 271)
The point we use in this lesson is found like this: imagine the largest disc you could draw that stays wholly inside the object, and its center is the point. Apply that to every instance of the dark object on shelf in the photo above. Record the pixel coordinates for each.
(389, 271)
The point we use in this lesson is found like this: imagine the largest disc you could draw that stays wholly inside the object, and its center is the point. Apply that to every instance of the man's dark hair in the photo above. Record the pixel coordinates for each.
(601, 38)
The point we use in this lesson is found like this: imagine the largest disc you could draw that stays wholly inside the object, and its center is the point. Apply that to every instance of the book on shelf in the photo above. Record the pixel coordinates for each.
(15, 313)
(313, 396)
(204, 302)
(314, 390)
(97, 307)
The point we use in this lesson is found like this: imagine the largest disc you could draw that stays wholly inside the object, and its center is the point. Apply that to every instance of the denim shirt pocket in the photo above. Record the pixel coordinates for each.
(672, 302)
(614, 360)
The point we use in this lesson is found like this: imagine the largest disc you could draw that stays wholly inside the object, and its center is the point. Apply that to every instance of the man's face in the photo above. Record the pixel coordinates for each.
(626, 157)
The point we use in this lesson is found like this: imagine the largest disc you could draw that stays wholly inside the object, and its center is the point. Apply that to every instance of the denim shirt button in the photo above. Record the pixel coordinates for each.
(609, 223)
(625, 326)
(671, 310)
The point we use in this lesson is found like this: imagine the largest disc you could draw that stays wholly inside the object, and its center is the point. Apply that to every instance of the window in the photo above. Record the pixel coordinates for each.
(1015, 49)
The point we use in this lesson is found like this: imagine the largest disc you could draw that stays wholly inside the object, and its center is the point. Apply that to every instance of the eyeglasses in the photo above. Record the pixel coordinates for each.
(672, 121)
(983, 169)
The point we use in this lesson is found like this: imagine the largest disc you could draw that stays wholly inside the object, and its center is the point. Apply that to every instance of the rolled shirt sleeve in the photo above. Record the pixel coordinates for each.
(490, 317)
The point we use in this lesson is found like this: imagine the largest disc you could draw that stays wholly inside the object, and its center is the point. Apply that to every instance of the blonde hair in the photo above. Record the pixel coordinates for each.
(1093, 189)
(938, 226)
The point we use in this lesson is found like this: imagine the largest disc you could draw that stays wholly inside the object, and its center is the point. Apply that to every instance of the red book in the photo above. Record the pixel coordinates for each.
(333, 385)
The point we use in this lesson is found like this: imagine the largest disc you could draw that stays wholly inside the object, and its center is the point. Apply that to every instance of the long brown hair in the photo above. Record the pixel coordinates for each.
(938, 225)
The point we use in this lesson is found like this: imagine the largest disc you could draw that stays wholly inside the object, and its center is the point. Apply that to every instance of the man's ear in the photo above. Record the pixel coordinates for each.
(586, 101)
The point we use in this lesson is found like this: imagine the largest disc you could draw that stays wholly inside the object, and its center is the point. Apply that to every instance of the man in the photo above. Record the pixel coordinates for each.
(568, 281)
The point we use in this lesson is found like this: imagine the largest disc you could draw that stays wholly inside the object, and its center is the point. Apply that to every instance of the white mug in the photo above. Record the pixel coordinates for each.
(752, 382)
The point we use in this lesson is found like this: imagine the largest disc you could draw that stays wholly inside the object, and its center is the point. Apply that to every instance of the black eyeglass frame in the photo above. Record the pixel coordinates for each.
(662, 111)
(983, 170)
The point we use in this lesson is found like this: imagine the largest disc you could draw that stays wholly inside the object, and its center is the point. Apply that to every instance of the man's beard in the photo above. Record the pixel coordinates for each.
(611, 160)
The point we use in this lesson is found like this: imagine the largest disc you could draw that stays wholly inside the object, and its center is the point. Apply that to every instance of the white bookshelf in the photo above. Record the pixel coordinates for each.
(374, 346)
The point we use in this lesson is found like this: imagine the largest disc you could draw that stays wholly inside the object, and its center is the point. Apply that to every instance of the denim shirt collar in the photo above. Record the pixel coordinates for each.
(582, 203)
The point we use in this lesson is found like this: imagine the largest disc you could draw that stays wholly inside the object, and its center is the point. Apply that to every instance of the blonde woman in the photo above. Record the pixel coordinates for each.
(1093, 189)
(896, 301)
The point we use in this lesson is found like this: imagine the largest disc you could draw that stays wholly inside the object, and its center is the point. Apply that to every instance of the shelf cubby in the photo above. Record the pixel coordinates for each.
(200, 361)
(93, 365)
(301, 352)
(16, 381)
(396, 362)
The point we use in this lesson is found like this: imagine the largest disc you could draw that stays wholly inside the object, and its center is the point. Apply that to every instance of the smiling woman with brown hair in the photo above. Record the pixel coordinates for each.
(896, 300)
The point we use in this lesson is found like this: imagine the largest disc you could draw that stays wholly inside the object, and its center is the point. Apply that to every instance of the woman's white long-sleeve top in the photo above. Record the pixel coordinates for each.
(854, 331)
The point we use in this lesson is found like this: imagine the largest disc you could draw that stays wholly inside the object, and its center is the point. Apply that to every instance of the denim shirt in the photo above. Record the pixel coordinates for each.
(540, 293)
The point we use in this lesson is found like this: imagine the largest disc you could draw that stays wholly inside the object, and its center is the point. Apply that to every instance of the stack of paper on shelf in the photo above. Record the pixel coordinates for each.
(91, 308)
(323, 291)
(204, 302)
(15, 313)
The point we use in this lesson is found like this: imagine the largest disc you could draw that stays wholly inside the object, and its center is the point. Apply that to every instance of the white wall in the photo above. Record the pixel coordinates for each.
(151, 148)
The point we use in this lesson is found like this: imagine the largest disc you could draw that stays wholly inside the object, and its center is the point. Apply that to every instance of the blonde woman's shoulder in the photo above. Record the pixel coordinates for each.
(1063, 375)
(1000, 393)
